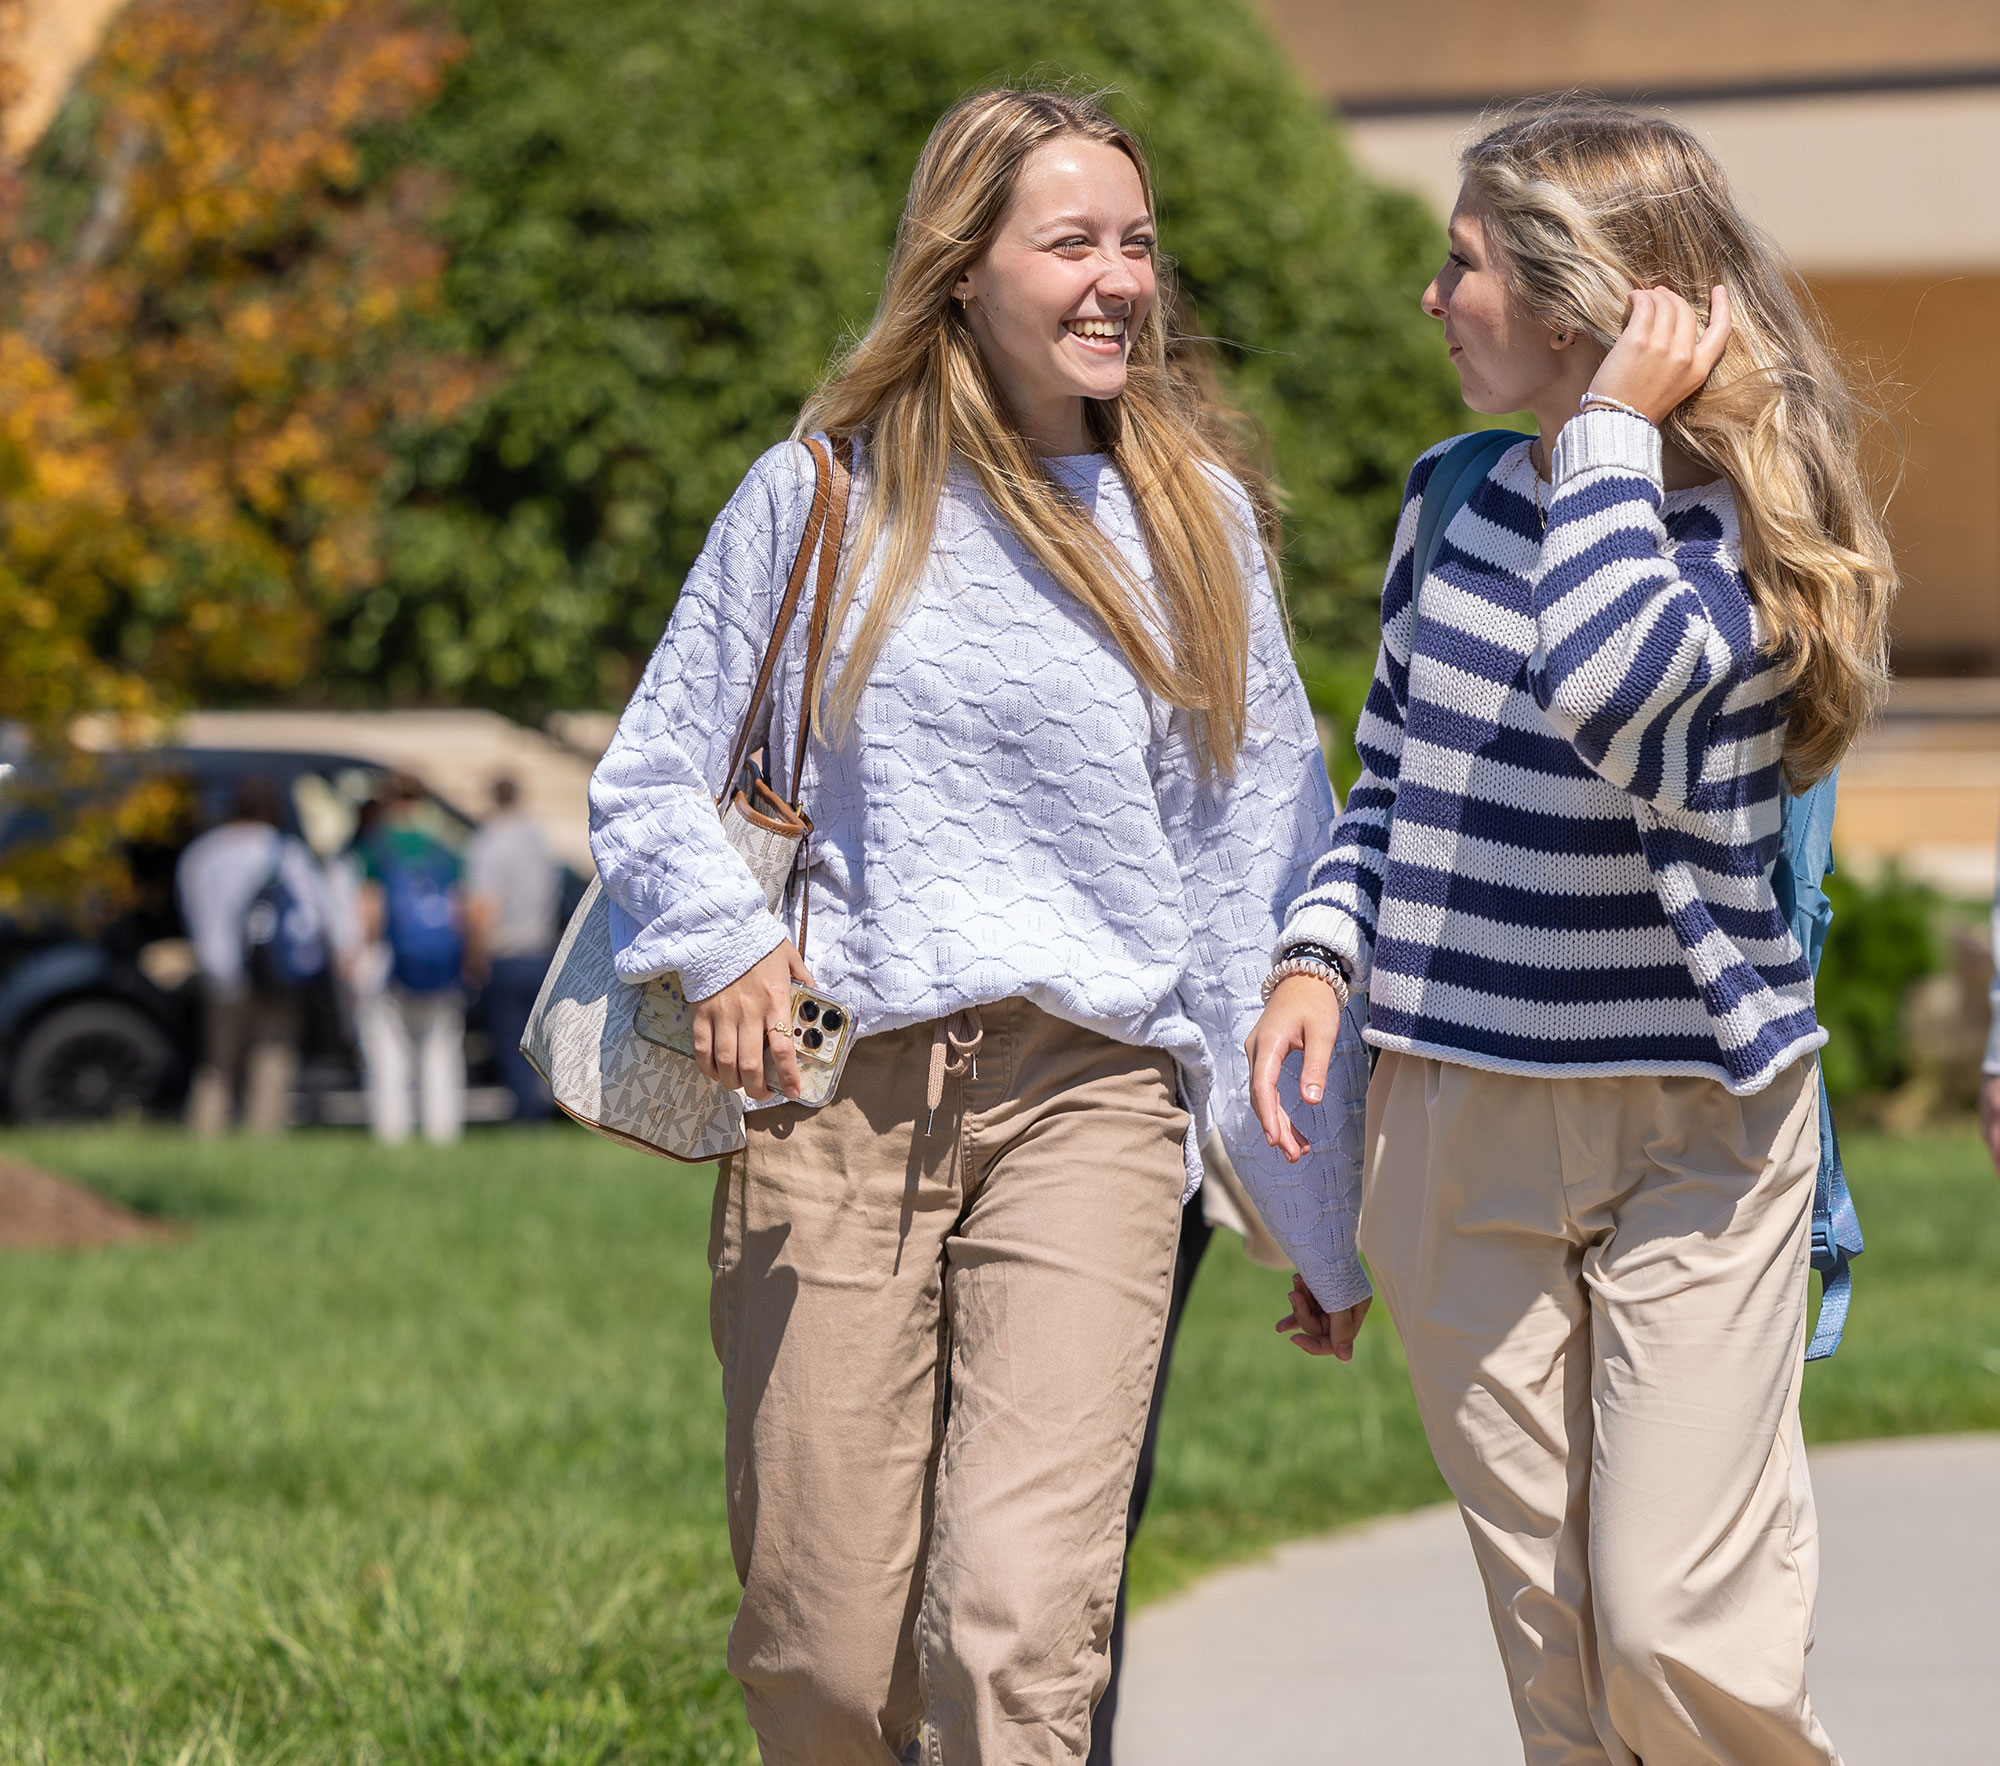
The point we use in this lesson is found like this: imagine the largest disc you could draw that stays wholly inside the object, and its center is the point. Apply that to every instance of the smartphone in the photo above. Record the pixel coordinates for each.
(822, 1032)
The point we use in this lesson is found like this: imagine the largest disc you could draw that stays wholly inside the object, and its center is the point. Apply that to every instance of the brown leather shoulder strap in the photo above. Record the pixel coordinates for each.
(829, 571)
(809, 541)
(823, 591)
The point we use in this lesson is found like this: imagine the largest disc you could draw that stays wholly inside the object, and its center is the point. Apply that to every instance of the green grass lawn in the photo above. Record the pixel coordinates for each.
(414, 1457)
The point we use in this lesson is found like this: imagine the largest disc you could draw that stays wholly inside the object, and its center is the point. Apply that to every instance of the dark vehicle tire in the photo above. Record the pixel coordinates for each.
(90, 1062)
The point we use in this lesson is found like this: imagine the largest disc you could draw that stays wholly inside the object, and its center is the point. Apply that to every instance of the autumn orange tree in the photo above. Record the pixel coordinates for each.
(212, 333)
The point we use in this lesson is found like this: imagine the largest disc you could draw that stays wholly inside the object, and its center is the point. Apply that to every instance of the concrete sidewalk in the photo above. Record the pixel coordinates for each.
(1372, 1648)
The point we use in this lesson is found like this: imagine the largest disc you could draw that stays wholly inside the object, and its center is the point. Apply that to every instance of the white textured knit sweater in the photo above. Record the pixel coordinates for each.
(1012, 816)
(1558, 856)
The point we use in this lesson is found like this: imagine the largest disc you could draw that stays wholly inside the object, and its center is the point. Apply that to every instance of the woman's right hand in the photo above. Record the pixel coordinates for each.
(1303, 1013)
(733, 1028)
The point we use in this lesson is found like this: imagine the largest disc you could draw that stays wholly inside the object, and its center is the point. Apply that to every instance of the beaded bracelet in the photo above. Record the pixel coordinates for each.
(1611, 404)
(1319, 971)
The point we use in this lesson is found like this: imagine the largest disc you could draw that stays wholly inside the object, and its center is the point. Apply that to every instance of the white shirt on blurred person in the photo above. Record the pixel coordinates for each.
(221, 873)
(512, 880)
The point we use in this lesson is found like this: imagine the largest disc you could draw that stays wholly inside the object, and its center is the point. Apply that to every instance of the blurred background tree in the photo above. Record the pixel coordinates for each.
(206, 358)
(263, 241)
(668, 213)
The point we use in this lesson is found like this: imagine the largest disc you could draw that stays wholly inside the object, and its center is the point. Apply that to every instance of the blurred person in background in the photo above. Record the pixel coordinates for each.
(513, 887)
(360, 959)
(1062, 780)
(413, 1028)
(255, 906)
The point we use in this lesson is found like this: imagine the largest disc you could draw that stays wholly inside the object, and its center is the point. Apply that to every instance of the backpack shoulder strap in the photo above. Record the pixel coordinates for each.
(1460, 470)
(1805, 856)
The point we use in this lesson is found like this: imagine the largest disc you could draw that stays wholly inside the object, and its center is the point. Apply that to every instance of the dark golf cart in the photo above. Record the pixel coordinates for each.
(103, 1021)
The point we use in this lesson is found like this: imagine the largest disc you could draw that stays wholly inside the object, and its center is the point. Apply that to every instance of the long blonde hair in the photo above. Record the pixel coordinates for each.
(917, 389)
(1582, 203)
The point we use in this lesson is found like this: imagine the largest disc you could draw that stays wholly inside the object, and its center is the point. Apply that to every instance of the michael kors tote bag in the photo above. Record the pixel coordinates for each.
(583, 1036)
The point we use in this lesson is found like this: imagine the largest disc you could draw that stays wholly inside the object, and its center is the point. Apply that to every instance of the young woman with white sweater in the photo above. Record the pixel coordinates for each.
(1592, 1132)
(1063, 782)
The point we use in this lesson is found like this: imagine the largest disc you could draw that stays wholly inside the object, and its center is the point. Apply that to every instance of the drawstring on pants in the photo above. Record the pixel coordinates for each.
(954, 1048)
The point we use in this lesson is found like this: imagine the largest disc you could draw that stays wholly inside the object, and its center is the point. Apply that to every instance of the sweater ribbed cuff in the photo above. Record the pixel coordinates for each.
(1337, 1282)
(1319, 924)
(732, 957)
(1606, 438)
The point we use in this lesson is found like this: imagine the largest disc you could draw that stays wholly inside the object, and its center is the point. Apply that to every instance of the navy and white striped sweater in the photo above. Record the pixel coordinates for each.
(1557, 859)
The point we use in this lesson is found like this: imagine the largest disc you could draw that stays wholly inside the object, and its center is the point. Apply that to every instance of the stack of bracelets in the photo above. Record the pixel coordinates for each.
(1316, 960)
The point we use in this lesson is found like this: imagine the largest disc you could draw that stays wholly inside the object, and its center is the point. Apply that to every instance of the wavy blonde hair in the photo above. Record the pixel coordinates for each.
(916, 388)
(1581, 203)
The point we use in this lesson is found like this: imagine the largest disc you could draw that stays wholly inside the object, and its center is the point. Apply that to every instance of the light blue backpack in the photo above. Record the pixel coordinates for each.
(1805, 856)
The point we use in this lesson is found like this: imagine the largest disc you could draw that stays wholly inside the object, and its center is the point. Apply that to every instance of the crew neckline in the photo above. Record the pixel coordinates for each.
(1694, 493)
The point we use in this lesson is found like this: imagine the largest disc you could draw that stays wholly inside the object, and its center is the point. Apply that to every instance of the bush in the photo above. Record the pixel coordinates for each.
(1883, 940)
(669, 213)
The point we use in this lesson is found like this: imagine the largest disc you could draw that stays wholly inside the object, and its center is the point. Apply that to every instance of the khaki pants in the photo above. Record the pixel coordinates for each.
(253, 1037)
(902, 1572)
(1601, 1288)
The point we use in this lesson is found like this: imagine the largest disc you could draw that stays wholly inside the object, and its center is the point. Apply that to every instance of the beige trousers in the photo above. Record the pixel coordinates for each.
(1601, 1288)
(910, 1565)
(254, 1037)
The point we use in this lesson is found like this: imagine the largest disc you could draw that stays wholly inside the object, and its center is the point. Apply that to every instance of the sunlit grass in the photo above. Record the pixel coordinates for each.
(416, 1456)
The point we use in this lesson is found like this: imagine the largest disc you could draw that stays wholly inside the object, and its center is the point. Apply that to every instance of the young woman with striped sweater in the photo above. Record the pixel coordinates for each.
(1592, 1132)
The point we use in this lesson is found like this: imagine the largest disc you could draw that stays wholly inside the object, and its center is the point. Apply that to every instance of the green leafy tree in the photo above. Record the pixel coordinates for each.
(669, 211)
(207, 316)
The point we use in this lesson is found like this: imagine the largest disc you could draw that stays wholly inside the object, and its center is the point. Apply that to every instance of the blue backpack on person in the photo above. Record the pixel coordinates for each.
(1805, 856)
(420, 910)
(284, 940)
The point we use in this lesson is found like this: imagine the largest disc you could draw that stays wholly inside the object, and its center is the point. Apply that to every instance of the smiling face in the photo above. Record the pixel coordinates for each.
(1507, 360)
(1063, 287)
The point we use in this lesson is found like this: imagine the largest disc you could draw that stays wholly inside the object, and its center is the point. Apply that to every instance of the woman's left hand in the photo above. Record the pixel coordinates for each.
(1317, 1331)
(1665, 354)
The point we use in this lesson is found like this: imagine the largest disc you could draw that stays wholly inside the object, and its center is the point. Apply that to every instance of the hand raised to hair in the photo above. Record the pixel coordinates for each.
(1665, 354)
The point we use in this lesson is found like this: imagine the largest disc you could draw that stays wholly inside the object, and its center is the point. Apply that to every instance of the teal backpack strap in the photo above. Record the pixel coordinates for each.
(1460, 470)
(1805, 856)
(1836, 1238)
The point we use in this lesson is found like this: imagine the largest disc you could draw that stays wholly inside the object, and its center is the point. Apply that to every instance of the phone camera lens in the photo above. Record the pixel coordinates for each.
(833, 1020)
(812, 1039)
(809, 1011)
